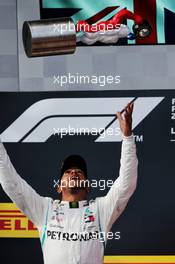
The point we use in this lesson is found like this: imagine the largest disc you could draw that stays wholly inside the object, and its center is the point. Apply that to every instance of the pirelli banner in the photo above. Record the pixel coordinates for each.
(40, 129)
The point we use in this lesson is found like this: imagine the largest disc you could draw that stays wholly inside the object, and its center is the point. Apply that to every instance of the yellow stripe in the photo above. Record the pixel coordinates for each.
(19, 234)
(8, 206)
(139, 259)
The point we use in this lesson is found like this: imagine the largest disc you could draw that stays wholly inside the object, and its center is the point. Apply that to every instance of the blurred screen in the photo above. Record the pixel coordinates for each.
(143, 22)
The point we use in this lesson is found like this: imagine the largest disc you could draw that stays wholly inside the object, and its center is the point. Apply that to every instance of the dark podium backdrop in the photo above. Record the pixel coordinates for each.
(26, 125)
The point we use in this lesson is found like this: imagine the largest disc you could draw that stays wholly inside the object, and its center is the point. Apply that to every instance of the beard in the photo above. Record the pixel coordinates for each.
(77, 186)
(76, 190)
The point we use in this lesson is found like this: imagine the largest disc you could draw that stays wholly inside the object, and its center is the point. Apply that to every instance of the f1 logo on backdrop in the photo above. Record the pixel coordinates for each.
(36, 124)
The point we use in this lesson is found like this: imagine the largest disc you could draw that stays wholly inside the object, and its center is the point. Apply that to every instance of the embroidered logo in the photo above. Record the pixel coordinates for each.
(89, 217)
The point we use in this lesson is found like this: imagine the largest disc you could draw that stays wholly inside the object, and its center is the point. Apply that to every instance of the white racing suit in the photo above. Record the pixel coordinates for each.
(71, 235)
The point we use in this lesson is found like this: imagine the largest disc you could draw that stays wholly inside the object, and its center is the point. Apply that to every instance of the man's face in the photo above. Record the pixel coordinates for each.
(73, 178)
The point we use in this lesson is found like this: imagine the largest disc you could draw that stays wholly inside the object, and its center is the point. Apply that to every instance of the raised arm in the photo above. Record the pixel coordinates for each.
(112, 205)
(20, 192)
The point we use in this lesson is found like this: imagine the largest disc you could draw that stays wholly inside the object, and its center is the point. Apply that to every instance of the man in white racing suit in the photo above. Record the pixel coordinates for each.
(72, 230)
